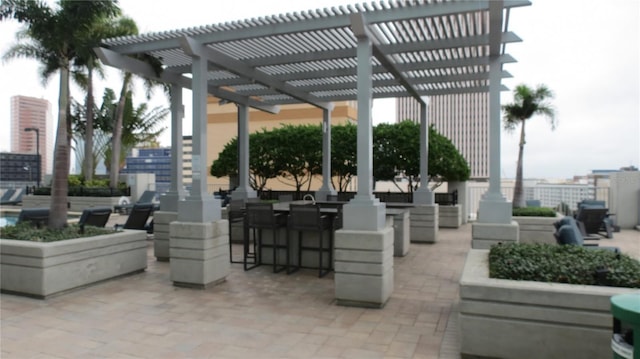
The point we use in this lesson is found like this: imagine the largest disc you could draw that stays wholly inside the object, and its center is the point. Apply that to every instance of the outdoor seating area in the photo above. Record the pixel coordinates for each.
(594, 218)
(146, 197)
(12, 197)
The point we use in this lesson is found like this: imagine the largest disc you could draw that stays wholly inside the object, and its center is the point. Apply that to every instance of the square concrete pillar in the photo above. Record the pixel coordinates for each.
(484, 235)
(363, 267)
(424, 223)
(199, 253)
(161, 222)
(450, 216)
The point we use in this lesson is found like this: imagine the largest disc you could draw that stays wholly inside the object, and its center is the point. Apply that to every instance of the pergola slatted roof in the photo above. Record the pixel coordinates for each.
(421, 48)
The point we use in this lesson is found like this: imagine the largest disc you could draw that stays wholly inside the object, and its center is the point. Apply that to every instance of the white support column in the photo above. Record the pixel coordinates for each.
(169, 201)
(327, 187)
(244, 190)
(424, 195)
(364, 211)
(494, 207)
(494, 223)
(199, 206)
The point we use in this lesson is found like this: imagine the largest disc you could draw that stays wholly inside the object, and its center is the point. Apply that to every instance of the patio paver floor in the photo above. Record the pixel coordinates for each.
(252, 314)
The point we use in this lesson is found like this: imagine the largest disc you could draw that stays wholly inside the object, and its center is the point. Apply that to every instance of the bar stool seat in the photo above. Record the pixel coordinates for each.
(308, 218)
(260, 216)
(236, 214)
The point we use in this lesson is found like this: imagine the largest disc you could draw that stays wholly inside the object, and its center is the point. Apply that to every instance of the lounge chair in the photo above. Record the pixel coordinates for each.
(7, 195)
(36, 216)
(96, 217)
(594, 220)
(138, 217)
(568, 233)
(146, 197)
(15, 198)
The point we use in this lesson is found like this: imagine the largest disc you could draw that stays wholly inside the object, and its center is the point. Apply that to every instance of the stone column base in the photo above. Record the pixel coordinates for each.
(363, 267)
(424, 223)
(484, 235)
(199, 253)
(450, 216)
(161, 222)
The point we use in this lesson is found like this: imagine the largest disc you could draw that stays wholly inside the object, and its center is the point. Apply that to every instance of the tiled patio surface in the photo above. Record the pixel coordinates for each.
(252, 314)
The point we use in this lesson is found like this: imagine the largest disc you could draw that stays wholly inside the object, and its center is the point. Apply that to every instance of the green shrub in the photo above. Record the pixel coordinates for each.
(563, 264)
(534, 212)
(27, 232)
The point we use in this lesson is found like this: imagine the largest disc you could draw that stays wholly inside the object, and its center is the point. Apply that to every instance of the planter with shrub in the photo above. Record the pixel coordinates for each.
(530, 314)
(47, 263)
(536, 224)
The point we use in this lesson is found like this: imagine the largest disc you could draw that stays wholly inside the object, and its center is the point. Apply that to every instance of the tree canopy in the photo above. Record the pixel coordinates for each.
(294, 153)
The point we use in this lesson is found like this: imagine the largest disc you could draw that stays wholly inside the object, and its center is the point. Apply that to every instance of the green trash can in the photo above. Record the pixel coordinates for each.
(626, 326)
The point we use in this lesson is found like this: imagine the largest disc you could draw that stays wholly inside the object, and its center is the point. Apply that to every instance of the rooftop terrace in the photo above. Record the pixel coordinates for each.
(252, 314)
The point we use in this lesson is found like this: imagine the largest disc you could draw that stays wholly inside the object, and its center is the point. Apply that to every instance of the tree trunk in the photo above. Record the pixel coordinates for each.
(114, 171)
(60, 182)
(87, 163)
(518, 191)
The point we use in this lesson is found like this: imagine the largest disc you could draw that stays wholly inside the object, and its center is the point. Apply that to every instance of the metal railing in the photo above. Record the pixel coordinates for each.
(548, 195)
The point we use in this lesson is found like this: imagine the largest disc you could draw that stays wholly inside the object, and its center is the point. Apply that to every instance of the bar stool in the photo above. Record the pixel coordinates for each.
(307, 218)
(236, 214)
(260, 216)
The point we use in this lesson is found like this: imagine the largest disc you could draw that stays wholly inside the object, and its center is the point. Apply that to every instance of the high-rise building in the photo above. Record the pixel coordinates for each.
(31, 112)
(187, 163)
(463, 118)
(151, 160)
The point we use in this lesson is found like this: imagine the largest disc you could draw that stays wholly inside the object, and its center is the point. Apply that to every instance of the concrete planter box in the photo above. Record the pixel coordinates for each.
(76, 204)
(44, 269)
(537, 229)
(521, 319)
(450, 216)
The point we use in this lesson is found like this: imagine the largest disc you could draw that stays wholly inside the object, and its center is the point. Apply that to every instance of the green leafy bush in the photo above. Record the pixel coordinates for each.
(534, 212)
(563, 264)
(27, 232)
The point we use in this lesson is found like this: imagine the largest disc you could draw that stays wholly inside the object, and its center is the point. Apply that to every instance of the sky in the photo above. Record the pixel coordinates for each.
(586, 52)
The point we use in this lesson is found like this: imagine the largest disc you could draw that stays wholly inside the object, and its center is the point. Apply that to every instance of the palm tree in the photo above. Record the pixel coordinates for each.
(104, 28)
(52, 36)
(127, 86)
(527, 102)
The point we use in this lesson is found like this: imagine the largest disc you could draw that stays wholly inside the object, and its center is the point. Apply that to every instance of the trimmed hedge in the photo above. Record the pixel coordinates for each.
(27, 232)
(87, 192)
(563, 264)
(534, 212)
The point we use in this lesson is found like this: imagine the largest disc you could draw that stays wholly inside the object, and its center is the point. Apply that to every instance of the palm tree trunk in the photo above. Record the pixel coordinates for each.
(114, 171)
(60, 183)
(518, 191)
(87, 163)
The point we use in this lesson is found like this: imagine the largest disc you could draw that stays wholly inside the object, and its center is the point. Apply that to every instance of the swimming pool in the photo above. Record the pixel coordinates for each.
(10, 218)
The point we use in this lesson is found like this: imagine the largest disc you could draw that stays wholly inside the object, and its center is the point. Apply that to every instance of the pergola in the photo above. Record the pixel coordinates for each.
(361, 52)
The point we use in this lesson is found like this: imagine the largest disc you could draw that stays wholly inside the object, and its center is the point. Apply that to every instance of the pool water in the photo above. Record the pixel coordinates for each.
(8, 219)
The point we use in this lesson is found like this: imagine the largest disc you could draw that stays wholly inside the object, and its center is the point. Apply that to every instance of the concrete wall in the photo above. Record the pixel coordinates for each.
(526, 320)
(536, 229)
(76, 204)
(623, 198)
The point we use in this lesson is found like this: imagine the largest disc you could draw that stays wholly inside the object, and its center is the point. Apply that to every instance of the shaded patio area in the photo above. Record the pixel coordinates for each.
(253, 314)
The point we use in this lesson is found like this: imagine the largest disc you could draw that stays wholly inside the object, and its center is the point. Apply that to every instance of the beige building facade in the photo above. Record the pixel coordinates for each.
(223, 127)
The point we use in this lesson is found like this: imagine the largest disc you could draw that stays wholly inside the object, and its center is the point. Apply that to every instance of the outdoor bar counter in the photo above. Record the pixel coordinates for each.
(397, 216)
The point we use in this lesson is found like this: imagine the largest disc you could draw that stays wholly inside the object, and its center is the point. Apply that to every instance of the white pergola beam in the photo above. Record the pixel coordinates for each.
(143, 69)
(230, 64)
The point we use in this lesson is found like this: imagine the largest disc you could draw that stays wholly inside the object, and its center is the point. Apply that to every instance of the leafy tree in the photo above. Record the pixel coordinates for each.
(297, 152)
(396, 152)
(446, 163)
(344, 155)
(53, 36)
(527, 102)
